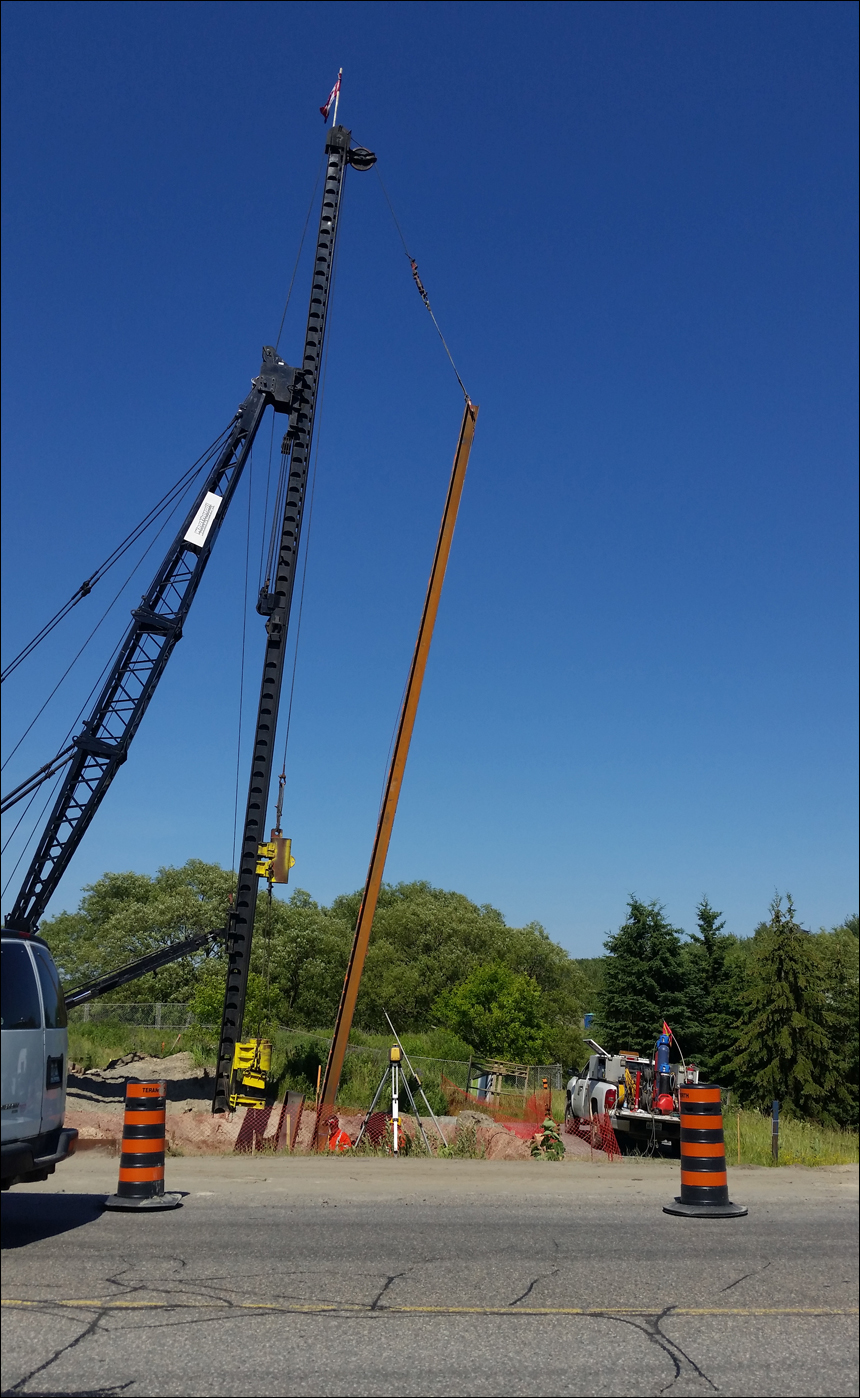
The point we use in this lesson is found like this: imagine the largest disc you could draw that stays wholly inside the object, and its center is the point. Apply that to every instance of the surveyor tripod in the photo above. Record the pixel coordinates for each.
(394, 1075)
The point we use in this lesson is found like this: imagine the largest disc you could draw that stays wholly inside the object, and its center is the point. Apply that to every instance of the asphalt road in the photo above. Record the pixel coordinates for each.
(342, 1277)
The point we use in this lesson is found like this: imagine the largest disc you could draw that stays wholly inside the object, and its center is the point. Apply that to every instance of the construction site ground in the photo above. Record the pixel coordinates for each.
(323, 1275)
(95, 1104)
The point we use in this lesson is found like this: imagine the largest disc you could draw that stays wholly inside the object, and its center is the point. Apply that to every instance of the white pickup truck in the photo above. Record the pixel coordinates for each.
(35, 1045)
(638, 1094)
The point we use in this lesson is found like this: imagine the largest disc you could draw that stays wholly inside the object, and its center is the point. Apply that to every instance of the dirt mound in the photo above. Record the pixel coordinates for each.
(470, 1118)
(500, 1144)
(103, 1089)
(137, 1065)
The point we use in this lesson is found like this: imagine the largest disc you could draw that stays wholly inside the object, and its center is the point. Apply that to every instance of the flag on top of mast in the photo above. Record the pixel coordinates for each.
(333, 97)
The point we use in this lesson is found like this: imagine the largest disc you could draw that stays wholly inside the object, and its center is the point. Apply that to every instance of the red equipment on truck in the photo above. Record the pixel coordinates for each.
(639, 1094)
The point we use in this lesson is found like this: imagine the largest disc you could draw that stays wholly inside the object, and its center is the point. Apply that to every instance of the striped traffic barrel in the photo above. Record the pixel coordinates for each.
(704, 1182)
(141, 1164)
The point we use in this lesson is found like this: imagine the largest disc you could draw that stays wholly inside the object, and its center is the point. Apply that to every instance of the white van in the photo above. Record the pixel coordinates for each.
(35, 1051)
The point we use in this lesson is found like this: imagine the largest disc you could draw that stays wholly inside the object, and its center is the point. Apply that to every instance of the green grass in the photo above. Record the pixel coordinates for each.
(92, 1044)
(296, 1054)
(800, 1142)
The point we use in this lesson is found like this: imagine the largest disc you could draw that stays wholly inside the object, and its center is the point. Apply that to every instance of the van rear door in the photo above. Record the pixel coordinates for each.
(23, 1044)
(56, 1039)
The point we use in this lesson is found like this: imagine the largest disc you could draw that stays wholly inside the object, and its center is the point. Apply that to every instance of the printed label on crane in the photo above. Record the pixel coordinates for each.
(202, 521)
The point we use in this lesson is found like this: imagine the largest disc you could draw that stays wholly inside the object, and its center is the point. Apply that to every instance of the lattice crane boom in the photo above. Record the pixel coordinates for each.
(102, 745)
(103, 742)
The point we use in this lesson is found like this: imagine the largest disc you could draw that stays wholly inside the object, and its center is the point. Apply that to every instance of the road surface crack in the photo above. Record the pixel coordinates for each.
(754, 1273)
(85, 1334)
(649, 1326)
(375, 1303)
(528, 1290)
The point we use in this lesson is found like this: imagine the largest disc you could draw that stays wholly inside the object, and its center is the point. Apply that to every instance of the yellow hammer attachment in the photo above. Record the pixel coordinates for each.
(252, 1062)
(275, 860)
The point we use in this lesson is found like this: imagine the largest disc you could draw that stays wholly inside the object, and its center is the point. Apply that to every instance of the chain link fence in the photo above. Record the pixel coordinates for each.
(171, 1015)
(156, 1014)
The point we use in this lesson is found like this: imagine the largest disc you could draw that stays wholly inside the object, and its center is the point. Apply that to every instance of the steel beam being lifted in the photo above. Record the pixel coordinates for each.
(394, 781)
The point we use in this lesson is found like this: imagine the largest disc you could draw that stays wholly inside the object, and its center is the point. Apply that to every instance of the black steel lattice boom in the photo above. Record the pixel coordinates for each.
(103, 743)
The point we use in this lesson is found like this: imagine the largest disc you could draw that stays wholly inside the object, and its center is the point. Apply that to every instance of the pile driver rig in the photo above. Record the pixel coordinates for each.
(97, 752)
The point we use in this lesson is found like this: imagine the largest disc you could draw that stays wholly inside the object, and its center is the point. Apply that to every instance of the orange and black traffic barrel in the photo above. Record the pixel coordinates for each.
(704, 1182)
(141, 1164)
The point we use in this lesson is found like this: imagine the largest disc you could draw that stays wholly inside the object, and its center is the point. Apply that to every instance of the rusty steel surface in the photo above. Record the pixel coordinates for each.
(361, 938)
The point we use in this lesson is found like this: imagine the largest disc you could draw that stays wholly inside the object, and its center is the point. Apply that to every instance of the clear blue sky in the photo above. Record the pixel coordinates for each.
(637, 226)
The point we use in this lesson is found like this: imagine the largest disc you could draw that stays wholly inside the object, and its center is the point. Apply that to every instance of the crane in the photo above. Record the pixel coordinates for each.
(97, 752)
(275, 605)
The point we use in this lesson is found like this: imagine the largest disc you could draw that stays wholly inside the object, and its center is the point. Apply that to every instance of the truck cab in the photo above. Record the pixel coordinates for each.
(35, 1051)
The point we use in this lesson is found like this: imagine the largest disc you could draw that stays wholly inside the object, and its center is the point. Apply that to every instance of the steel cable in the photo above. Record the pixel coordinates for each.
(311, 506)
(103, 617)
(421, 291)
(95, 577)
(242, 678)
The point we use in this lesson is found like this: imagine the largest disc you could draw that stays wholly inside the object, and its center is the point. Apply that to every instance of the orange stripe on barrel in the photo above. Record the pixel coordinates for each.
(144, 1089)
(704, 1178)
(145, 1118)
(700, 1094)
(151, 1147)
(714, 1148)
(140, 1174)
(701, 1123)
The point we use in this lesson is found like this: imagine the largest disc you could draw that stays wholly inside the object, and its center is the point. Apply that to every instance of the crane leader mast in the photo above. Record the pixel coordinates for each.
(101, 747)
(275, 604)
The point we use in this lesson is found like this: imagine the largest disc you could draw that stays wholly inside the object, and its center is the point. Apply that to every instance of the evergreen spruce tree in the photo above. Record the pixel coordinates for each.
(783, 1049)
(838, 957)
(643, 981)
(715, 982)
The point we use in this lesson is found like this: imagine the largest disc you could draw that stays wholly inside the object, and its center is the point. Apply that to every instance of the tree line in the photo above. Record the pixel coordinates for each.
(773, 1015)
(436, 959)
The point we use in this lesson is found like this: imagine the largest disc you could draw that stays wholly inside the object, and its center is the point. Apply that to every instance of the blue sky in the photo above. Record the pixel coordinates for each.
(637, 224)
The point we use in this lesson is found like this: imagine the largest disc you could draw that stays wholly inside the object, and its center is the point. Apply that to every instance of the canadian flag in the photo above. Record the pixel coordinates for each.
(332, 97)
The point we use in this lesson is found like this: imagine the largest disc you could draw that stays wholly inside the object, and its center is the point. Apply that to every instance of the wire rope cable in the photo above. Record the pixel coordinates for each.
(48, 799)
(128, 542)
(310, 514)
(107, 665)
(266, 503)
(420, 285)
(241, 679)
(299, 253)
(168, 503)
(42, 774)
(277, 516)
(153, 541)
